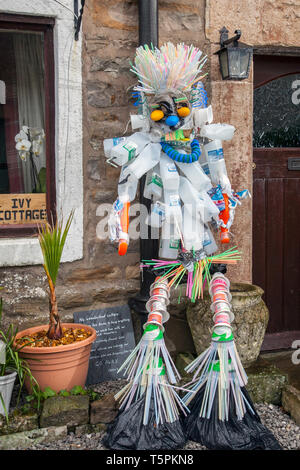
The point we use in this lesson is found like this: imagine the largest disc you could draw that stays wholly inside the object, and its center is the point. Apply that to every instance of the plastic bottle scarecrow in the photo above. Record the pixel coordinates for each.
(179, 149)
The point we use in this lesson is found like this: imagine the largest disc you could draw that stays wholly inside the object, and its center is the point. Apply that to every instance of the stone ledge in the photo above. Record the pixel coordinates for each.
(265, 383)
(23, 440)
(291, 402)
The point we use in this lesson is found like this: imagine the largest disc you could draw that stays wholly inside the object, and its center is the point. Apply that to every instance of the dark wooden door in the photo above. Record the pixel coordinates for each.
(276, 195)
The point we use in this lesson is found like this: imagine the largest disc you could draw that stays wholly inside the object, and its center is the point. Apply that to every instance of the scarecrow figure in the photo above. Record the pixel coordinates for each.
(180, 151)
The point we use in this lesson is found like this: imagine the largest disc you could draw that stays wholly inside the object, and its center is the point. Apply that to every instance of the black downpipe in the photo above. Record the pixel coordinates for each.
(148, 34)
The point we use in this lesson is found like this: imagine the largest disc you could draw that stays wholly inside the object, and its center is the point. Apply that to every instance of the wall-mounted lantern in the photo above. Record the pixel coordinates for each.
(234, 57)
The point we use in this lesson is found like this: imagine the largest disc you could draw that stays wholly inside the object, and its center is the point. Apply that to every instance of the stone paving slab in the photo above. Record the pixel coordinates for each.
(26, 439)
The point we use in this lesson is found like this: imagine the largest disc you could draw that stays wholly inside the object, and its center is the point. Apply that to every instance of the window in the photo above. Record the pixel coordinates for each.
(27, 153)
(276, 113)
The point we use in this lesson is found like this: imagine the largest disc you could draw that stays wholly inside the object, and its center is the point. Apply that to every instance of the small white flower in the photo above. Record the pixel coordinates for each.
(25, 129)
(23, 155)
(23, 145)
(21, 136)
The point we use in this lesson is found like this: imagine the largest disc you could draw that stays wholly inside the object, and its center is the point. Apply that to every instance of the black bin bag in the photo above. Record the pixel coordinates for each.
(233, 434)
(127, 431)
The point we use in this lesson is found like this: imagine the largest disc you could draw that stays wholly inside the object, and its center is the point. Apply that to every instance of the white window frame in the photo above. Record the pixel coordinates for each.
(68, 131)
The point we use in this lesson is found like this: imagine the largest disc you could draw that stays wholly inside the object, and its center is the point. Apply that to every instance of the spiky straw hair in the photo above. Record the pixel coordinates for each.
(170, 68)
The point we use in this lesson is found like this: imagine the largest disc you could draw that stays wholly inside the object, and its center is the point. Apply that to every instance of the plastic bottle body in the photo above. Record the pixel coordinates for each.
(108, 144)
(147, 159)
(153, 184)
(192, 230)
(169, 241)
(127, 186)
(157, 215)
(127, 150)
(215, 159)
(195, 174)
(209, 243)
(168, 173)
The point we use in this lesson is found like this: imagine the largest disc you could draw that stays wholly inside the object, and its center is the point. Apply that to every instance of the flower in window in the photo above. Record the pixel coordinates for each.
(21, 136)
(23, 146)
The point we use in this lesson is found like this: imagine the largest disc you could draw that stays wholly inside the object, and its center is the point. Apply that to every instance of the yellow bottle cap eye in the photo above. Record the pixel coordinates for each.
(156, 115)
(183, 112)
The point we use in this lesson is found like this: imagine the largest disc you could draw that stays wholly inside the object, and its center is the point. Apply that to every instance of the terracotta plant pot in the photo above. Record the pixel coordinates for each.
(59, 367)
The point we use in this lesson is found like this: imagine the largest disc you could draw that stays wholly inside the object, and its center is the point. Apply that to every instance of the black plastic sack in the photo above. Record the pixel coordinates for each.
(234, 434)
(127, 431)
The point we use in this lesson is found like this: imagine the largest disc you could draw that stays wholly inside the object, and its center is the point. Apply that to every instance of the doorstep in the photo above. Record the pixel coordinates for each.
(286, 363)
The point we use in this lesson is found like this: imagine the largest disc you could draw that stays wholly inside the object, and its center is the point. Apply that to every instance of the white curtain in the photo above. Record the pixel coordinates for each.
(29, 59)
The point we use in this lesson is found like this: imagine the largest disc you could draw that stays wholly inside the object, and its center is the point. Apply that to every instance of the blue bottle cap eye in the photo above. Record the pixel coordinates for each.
(172, 120)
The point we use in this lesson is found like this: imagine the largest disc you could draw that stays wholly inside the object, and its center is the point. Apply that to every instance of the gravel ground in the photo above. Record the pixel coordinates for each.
(273, 417)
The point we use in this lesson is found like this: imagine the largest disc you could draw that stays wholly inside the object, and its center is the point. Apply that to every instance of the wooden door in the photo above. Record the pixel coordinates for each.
(276, 195)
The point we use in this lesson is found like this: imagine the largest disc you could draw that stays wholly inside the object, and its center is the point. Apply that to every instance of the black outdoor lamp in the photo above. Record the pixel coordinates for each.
(234, 57)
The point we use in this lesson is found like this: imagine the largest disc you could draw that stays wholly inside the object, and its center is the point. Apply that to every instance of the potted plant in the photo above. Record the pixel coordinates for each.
(57, 354)
(11, 367)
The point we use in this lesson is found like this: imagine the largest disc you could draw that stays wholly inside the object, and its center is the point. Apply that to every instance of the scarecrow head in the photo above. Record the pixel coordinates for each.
(169, 87)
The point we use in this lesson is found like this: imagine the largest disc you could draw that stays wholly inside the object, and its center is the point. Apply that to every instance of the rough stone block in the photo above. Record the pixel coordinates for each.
(23, 440)
(71, 411)
(90, 429)
(291, 402)
(103, 410)
(18, 422)
(265, 383)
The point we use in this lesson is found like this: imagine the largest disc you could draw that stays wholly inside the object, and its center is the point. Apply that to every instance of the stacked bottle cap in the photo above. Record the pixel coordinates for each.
(157, 304)
(221, 298)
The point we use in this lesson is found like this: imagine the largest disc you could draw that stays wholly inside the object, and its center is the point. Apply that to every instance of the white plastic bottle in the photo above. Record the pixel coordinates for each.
(127, 186)
(190, 197)
(168, 173)
(127, 150)
(209, 244)
(157, 215)
(153, 184)
(108, 144)
(169, 242)
(173, 207)
(194, 172)
(210, 208)
(192, 230)
(215, 158)
(147, 159)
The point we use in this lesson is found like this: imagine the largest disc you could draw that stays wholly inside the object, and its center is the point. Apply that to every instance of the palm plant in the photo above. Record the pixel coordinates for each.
(52, 238)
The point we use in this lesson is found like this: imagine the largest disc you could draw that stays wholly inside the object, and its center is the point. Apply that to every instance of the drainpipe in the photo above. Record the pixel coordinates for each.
(148, 34)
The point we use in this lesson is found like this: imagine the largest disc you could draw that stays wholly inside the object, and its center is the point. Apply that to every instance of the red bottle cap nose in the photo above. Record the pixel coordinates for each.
(122, 248)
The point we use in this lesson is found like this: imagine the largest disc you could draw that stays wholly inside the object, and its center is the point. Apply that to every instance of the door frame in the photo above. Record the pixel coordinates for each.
(284, 339)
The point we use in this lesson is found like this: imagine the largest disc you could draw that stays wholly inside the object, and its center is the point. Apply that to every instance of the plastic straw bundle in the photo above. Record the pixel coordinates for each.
(149, 403)
(196, 270)
(168, 68)
(222, 415)
(220, 366)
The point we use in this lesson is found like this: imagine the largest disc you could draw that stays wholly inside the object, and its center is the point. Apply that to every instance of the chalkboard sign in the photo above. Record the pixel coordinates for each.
(114, 342)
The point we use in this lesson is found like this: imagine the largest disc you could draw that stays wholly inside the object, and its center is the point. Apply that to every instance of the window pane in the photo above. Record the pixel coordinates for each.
(276, 120)
(22, 124)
